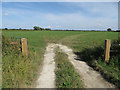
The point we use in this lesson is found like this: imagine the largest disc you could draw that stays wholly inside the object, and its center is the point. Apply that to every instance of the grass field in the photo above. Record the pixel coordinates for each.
(79, 41)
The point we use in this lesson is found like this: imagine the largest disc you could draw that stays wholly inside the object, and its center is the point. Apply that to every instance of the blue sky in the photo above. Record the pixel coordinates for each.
(60, 15)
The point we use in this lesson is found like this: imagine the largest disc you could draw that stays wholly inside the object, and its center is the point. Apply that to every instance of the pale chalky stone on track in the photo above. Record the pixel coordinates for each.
(47, 76)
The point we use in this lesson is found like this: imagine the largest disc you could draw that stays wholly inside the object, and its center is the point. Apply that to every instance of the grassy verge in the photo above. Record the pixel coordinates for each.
(95, 58)
(66, 76)
(109, 71)
(18, 71)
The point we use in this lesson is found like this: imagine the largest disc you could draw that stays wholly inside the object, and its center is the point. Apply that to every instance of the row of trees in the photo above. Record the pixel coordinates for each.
(41, 29)
(48, 29)
(35, 28)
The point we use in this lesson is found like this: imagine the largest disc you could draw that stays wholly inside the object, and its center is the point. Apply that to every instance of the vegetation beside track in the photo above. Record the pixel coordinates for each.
(15, 66)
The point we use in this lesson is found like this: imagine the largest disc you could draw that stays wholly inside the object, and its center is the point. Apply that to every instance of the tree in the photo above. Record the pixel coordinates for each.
(42, 29)
(117, 30)
(109, 29)
(6, 28)
(48, 29)
(20, 28)
(38, 28)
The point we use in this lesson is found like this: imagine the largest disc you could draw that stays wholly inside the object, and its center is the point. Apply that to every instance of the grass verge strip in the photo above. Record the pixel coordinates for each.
(66, 76)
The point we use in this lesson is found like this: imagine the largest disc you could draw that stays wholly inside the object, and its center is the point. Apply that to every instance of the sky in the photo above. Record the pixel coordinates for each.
(60, 0)
(60, 15)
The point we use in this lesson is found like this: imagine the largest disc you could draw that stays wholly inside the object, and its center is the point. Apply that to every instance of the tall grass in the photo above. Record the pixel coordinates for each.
(17, 70)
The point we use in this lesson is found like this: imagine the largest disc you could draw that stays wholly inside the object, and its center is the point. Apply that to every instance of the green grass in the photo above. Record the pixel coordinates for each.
(18, 70)
(95, 58)
(109, 71)
(79, 41)
(66, 76)
(90, 40)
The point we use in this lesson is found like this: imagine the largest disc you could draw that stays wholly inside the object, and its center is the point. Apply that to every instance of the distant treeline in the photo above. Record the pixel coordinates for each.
(89, 30)
(117, 30)
(37, 28)
(58, 30)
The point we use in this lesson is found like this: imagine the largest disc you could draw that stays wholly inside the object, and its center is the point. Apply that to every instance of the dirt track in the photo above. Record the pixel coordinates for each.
(47, 76)
(90, 78)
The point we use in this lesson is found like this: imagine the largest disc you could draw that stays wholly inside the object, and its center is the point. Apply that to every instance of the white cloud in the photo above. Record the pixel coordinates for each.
(102, 16)
(77, 20)
(5, 14)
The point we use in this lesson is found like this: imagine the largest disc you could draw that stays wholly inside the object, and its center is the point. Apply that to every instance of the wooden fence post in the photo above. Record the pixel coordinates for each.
(24, 46)
(107, 50)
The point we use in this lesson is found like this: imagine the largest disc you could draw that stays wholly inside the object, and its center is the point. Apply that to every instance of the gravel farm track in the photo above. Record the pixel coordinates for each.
(89, 77)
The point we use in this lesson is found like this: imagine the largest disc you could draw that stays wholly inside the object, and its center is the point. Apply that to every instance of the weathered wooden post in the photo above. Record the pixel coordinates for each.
(24, 46)
(107, 50)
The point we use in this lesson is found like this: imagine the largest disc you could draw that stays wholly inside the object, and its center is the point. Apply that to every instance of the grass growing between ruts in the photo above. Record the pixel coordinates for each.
(66, 76)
